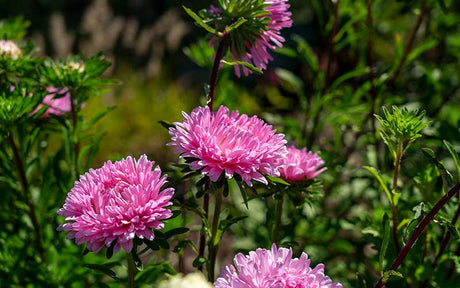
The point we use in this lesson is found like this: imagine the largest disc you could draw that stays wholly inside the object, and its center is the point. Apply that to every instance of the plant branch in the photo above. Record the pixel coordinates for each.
(25, 186)
(418, 231)
(215, 69)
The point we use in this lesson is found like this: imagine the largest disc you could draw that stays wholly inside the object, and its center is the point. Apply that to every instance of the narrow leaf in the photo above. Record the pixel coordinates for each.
(377, 175)
(454, 156)
(199, 21)
(101, 268)
(385, 240)
(245, 64)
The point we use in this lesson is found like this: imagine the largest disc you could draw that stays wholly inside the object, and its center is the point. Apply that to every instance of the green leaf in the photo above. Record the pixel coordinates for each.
(200, 21)
(199, 261)
(386, 276)
(377, 175)
(137, 260)
(385, 240)
(176, 231)
(447, 178)
(454, 156)
(350, 75)
(430, 43)
(235, 25)
(306, 52)
(166, 124)
(277, 180)
(245, 64)
(184, 243)
(104, 269)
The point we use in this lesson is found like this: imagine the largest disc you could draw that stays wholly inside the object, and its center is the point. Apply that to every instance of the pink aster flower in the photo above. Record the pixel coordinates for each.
(117, 202)
(257, 53)
(301, 164)
(226, 142)
(8, 47)
(273, 268)
(57, 103)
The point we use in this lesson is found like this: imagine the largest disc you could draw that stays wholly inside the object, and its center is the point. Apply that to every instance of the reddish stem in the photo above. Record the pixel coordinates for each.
(418, 231)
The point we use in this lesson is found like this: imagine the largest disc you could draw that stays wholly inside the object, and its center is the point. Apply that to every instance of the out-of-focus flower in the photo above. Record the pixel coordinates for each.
(9, 48)
(251, 41)
(226, 142)
(300, 165)
(117, 202)
(273, 268)
(192, 280)
(58, 102)
(75, 66)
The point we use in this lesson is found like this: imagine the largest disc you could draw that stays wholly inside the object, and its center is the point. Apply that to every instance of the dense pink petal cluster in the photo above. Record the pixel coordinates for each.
(273, 268)
(118, 201)
(300, 165)
(8, 47)
(229, 143)
(257, 53)
(58, 102)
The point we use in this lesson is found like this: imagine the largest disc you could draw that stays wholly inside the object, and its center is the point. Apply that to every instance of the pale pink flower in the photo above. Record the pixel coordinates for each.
(273, 268)
(257, 53)
(57, 103)
(301, 165)
(8, 47)
(117, 202)
(226, 142)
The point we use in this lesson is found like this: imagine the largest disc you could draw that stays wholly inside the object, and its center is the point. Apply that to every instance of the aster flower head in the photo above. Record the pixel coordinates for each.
(117, 202)
(273, 268)
(251, 41)
(301, 165)
(9, 48)
(224, 142)
(58, 102)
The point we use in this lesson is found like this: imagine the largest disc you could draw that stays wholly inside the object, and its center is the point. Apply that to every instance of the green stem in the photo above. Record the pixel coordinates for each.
(279, 213)
(131, 270)
(214, 244)
(215, 69)
(25, 187)
(394, 212)
(75, 139)
(202, 244)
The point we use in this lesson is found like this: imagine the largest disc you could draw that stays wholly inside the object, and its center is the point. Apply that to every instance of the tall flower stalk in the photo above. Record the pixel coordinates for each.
(399, 130)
